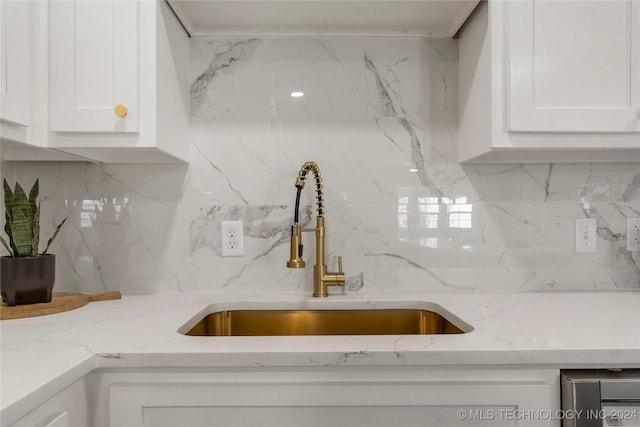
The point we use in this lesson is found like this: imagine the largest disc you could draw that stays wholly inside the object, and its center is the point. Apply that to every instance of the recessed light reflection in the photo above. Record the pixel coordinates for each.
(413, 170)
(297, 94)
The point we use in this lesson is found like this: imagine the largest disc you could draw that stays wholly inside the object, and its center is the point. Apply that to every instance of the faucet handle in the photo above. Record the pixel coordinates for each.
(342, 280)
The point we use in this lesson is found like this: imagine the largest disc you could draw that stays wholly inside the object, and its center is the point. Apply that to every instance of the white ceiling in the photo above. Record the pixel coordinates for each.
(391, 18)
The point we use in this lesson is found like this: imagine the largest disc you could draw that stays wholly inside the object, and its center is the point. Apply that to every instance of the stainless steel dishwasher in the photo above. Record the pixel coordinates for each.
(600, 397)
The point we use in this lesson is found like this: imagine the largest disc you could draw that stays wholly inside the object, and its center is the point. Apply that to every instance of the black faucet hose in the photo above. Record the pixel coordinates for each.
(297, 211)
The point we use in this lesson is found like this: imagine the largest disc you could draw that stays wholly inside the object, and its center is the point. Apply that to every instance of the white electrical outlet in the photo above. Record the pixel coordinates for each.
(586, 234)
(231, 238)
(633, 234)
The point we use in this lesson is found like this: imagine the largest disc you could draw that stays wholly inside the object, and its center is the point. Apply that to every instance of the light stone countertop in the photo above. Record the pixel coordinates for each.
(39, 356)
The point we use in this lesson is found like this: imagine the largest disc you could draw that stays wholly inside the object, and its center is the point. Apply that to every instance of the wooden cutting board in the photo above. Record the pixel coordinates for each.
(59, 303)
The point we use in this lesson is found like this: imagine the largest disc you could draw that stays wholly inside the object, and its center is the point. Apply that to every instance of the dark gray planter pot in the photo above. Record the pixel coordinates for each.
(27, 280)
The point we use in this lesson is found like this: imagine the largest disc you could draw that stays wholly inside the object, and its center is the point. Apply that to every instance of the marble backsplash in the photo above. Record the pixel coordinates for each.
(379, 117)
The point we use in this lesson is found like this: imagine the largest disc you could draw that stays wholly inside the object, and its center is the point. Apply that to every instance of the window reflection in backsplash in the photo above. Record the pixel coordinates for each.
(419, 217)
(428, 209)
(459, 212)
(92, 212)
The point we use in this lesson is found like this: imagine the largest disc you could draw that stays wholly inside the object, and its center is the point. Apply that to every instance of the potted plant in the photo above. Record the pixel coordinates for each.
(26, 275)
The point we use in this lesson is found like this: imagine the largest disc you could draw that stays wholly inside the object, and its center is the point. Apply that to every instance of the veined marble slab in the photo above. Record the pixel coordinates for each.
(40, 356)
(379, 116)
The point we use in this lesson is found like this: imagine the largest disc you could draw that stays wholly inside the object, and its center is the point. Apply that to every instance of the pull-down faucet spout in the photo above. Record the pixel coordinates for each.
(321, 277)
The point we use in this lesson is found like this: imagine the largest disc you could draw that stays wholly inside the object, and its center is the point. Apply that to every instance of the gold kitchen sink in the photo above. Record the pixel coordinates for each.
(400, 321)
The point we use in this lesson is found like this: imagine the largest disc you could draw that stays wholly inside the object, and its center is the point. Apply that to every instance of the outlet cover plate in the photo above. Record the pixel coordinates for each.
(231, 236)
(633, 234)
(586, 235)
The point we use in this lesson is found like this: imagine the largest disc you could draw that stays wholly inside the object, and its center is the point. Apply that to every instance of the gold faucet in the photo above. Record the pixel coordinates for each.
(321, 277)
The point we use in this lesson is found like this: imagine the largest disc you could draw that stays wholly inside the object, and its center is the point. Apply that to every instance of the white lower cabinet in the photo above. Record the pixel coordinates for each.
(375, 396)
(66, 409)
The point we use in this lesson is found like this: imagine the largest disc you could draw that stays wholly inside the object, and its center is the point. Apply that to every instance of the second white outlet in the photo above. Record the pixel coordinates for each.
(586, 234)
(232, 244)
(633, 234)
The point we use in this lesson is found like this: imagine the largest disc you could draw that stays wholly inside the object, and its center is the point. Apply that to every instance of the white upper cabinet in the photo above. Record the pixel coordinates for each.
(14, 63)
(94, 66)
(24, 82)
(119, 81)
(550, 81)
(574, 66)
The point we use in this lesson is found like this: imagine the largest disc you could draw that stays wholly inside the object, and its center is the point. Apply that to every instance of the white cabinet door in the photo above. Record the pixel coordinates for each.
(93, 65)
(392, 396)
(24, 82)
(66, 409)
(14, 62)
(56, 419)
(550, 81)
(573, 66)
(117, 81)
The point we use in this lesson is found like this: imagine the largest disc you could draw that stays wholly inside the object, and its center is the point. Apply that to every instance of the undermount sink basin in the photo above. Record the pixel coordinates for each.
(408, 319)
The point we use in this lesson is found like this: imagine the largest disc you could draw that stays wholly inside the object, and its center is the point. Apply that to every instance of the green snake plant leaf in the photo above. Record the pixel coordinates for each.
(21, 231)
(35, 240)
(33, 196)
(8, 203)
(22, 224)
(8, 195)
(35, 216)
(54, 236)
(7, 229)
(4, 243)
